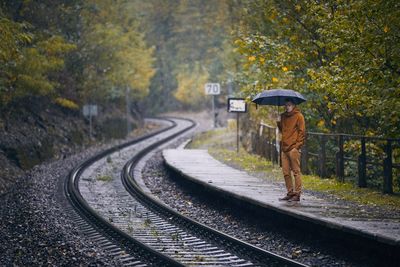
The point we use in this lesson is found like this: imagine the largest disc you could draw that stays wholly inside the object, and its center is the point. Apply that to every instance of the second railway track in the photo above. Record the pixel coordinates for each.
(141, 230)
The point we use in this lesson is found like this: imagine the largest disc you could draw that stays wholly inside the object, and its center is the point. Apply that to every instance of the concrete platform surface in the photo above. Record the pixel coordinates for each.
(200, 167)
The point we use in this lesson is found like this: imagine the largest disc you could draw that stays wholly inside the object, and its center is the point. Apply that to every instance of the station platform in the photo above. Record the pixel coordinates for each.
(201, 168)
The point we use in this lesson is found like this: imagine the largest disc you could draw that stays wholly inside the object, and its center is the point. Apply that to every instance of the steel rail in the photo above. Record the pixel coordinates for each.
(141, 254)
(231, 244)
(138, 249)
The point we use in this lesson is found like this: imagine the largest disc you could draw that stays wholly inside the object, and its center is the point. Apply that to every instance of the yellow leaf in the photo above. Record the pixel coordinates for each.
(275, 80)
(272, 16)
(386, 29)
(284, 69)
(298, 7)
(252, 58)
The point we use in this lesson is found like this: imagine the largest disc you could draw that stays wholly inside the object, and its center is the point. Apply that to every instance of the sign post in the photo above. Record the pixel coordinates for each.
(128, 126)
(90, 111)
(213, 89)
(237, 105)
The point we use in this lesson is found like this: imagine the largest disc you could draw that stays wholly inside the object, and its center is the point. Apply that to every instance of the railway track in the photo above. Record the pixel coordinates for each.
(138, 228)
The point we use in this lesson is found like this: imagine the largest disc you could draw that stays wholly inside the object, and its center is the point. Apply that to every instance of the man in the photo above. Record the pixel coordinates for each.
(292, 127)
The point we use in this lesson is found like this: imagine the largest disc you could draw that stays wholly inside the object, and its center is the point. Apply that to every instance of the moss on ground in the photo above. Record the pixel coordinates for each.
(104, 178)
(221, 144)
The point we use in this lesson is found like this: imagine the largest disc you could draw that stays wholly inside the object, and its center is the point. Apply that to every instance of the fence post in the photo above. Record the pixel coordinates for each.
(387, 169)
(264, 147)
(263, 142)
(257, 142)
(322, 157)
(340, 159)
(253, 142)
(362, 165)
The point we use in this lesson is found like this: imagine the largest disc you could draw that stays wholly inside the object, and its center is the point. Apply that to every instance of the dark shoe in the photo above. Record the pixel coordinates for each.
(295, 197)
(287, 197)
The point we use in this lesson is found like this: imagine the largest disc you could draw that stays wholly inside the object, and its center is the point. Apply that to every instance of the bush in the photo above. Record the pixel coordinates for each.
(65, 103)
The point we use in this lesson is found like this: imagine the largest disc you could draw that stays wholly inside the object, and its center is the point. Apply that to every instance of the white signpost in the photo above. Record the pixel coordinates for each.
(213, 89)
(237, 105)
(90, 111)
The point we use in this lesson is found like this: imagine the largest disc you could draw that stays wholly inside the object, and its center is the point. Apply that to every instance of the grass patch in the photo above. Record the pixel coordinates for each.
(349, 191)
(104, 178)
(212, 139)
(147, 222)
(199, 258)
(226, 152)
(243, 160)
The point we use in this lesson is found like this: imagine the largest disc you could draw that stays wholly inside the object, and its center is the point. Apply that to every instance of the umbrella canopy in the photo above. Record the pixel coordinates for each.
(277, 97)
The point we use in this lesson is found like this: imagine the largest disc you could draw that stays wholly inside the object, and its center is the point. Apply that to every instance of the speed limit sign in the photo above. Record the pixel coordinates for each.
(212, 89)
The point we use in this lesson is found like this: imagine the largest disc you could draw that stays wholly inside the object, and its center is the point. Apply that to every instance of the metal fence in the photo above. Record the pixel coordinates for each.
(368, 161)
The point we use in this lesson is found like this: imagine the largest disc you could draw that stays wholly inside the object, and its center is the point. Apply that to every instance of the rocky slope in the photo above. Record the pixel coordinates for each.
(34, 131)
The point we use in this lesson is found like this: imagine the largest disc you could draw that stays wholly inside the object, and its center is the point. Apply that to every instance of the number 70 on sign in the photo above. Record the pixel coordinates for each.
(212, 89)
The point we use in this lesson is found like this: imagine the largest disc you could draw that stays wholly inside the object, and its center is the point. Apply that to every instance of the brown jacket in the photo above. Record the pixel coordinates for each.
(292, 127)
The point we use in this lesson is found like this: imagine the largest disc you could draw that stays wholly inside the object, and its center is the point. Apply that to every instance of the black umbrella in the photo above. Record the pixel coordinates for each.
(278, 97)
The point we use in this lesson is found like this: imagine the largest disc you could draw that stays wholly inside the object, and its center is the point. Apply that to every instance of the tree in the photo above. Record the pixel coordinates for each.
(191, 82)
(188, 36)
(114, 53)
(342, 55)
(86, 51)
(28, 60)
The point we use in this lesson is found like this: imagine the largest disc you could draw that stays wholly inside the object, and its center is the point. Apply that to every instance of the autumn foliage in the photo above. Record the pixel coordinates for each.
(78, 51)
(344, 56)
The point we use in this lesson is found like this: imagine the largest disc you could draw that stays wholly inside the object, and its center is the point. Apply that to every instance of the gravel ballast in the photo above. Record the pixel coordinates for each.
(36, 228)
(242, 224)
(36, 225)
(35, 218)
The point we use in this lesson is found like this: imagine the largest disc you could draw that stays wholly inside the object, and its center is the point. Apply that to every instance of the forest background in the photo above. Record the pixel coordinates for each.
(342, 55)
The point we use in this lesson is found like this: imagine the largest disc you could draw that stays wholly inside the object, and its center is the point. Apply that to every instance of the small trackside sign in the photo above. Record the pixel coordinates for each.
(89, 110)
(237, 105)
(212, 88)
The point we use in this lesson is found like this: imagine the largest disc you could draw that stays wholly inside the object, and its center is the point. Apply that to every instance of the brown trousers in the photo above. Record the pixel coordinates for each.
(291, 162)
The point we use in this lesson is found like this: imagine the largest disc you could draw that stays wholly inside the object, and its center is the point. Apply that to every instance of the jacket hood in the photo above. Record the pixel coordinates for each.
(289, 114)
